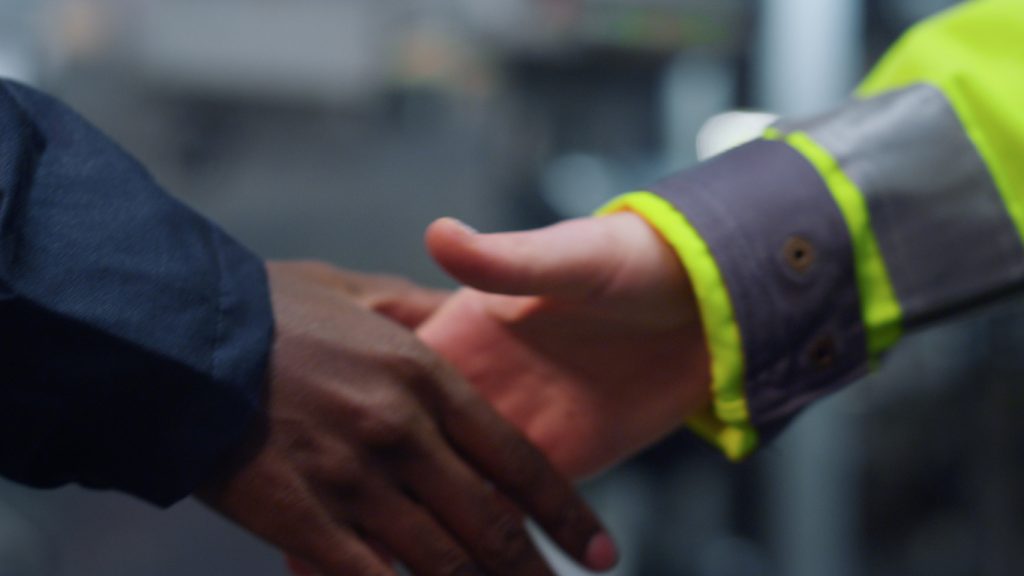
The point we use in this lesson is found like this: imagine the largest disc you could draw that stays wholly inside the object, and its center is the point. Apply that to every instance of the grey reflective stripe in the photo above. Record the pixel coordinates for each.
(748, 205)
(943, 229)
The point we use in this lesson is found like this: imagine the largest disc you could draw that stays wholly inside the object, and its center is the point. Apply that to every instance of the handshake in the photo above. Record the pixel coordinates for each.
(430, 437)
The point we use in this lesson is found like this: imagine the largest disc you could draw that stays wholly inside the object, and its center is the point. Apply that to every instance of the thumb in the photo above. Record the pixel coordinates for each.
(572, 258)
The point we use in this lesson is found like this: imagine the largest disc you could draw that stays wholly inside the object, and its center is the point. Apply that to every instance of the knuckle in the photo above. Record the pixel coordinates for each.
(412, 363)
(323, 461)
(342, 471)
(434, 380)
(451, 561)
(333, 553)
(525, 472)
(390, 422)
(466, 403)
(505, 541)
(419, 370)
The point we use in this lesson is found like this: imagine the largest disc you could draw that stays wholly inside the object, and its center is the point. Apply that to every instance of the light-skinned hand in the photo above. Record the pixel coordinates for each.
(584, 334)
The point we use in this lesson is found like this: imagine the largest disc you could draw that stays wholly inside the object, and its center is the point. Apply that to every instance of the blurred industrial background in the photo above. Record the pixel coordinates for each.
(338, 129)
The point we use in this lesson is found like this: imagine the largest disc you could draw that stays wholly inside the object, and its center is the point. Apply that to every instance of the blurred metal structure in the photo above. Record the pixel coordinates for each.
(809, 59)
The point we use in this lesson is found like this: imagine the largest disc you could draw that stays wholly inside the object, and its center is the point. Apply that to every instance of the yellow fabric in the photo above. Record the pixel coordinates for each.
(880, 309)
(974, 54)
(727, 424)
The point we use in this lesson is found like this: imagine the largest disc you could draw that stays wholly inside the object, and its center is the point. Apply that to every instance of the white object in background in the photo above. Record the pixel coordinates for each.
(731, 129)
(808, 60)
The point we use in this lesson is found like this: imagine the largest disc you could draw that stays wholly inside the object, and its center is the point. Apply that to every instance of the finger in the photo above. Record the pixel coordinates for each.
(520, 471)
(397, 298)
(489, 527)
(299, 568)
(409, 532)
(410, 307)
(381, 552)
(571, 258)
(341, 554)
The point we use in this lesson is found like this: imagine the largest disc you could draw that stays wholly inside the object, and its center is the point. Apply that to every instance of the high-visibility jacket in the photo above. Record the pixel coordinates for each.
(134, 333)
(814, 248)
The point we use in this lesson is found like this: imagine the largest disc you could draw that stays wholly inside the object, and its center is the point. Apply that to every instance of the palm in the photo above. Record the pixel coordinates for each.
(591, 378)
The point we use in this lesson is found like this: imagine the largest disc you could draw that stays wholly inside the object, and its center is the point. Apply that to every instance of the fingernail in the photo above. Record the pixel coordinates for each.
(601, 553)
(465, 227)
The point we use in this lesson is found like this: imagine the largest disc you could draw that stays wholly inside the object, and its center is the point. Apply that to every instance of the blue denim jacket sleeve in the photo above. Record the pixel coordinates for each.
(134, 334)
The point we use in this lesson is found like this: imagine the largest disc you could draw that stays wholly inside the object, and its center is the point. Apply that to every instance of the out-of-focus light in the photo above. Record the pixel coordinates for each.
(574, 184)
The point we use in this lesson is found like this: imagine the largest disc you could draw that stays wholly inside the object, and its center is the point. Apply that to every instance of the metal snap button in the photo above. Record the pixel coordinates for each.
(799, 253)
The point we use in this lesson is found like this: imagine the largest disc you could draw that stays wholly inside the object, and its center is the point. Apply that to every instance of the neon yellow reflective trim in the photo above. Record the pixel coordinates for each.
(880, 310)
(727, 424)
(974, 54)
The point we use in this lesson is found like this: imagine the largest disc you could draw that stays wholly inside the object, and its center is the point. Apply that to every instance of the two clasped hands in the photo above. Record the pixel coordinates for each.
(570, 348)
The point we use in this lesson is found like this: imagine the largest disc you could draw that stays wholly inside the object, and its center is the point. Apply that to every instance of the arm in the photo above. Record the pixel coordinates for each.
(844, 231)
(143, 350)
(806, 254)
(134, 332)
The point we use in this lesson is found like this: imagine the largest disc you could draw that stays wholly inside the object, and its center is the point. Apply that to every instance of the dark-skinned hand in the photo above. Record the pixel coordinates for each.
(372, 443)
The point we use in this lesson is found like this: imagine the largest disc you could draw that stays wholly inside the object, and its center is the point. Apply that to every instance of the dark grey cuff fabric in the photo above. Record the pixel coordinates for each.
(942, 226)
(784, 252)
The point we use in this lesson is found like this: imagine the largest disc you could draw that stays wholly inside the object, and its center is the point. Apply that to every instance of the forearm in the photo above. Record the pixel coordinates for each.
(832, 236)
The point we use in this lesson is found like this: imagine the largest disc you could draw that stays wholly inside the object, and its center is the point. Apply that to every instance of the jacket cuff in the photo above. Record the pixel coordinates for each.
(726, 424)
(770, 257)
(221, 416)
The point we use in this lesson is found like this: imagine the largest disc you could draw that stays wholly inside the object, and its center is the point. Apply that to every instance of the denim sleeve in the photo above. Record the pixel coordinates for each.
(134, 334)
